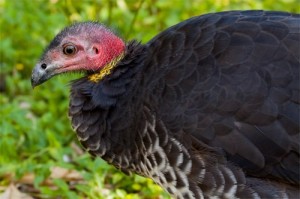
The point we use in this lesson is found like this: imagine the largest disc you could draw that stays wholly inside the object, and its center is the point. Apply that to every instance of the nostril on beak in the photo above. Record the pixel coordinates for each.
(44, 66)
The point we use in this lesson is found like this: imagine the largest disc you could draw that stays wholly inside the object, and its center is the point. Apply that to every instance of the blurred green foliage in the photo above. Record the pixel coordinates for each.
(35, 133)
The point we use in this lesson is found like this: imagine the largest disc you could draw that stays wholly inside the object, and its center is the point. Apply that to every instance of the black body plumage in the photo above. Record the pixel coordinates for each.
(207, 108)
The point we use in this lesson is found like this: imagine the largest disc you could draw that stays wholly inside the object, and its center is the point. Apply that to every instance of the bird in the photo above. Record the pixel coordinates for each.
(208, 108)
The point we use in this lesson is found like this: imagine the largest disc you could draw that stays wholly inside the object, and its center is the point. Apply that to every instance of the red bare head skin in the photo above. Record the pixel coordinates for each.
(86, 46)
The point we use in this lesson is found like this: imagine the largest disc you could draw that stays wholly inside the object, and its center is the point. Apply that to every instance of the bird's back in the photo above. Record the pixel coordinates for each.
(229, 82)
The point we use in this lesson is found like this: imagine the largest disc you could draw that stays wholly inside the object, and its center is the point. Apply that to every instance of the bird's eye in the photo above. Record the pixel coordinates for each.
(69, 49)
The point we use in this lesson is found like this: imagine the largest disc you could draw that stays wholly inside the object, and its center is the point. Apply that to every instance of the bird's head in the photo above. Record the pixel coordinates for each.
(86, 46)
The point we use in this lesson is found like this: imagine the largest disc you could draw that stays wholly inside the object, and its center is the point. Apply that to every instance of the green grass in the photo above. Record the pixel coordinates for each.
(39, 152)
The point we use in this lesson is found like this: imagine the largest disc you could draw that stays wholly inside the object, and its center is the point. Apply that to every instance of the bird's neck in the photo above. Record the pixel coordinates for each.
(103, 112)
(107, 69)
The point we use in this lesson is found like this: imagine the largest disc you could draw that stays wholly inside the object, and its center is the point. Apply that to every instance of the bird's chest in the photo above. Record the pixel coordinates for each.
(164, 159)
(150, 151)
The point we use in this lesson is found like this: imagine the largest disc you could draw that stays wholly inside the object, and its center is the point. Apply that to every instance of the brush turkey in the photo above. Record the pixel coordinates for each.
(208, 108)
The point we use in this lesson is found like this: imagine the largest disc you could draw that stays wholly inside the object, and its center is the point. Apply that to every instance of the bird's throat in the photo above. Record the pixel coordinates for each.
(106, 70)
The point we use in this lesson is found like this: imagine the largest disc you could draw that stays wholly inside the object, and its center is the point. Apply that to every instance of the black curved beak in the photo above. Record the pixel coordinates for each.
(40, 75)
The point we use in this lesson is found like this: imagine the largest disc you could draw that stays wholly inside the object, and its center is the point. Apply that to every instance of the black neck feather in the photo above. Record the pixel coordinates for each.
(106, 92)
(102, 113)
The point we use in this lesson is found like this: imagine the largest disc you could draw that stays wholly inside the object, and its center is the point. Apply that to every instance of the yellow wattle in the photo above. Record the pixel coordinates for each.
(106, 70)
